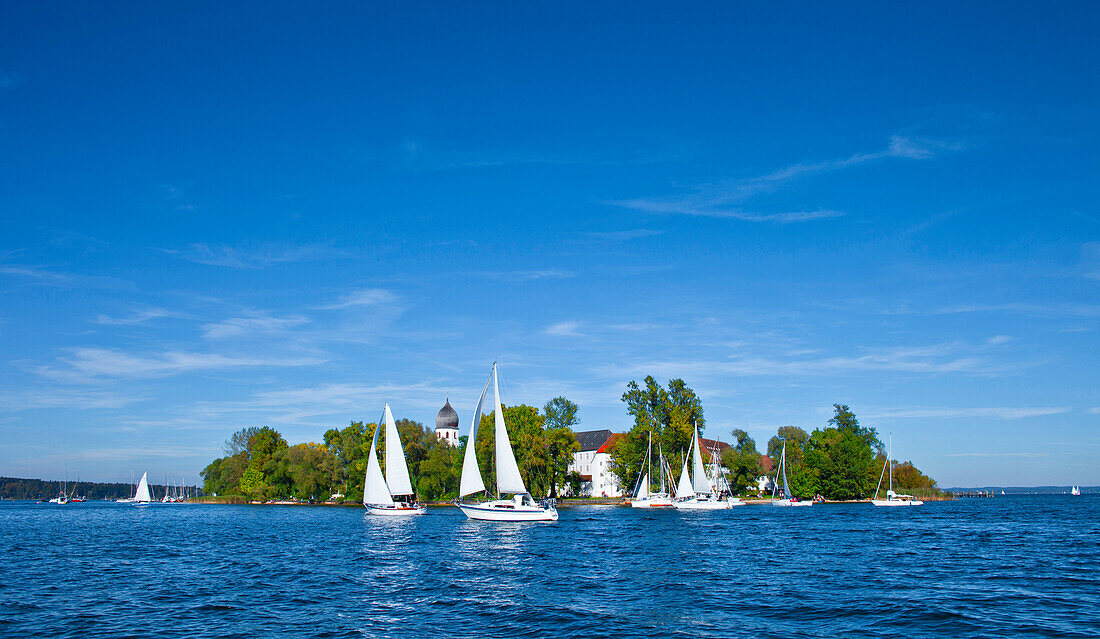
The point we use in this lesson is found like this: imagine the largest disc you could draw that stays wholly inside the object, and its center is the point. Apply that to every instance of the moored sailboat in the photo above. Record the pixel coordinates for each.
(522, 506)
(699, 493)
(644, 497)
(892, 498)
(788, 497)
(378, 491)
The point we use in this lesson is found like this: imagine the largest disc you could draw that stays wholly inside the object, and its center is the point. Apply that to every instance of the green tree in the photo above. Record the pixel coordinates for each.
(741, 461)
(560, 413)
(542, 455)
(669, 414)
(795, 438)
(252, 484)
(841, 457)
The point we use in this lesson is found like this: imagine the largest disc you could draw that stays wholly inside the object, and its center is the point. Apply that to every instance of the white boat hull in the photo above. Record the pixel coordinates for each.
(789, 503)
(652, 502)
(508, 510)
(395, 510)
(897, 502)
(708, 504)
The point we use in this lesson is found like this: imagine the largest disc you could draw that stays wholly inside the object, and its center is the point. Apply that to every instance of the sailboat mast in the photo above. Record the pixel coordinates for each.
(889, 456)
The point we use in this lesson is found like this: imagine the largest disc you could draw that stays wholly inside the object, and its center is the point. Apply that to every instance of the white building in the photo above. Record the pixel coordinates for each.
(593, 463)
(446, 424)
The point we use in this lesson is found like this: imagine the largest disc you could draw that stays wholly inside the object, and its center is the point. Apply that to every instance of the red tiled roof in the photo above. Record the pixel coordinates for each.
(610, 442)
(766, 462)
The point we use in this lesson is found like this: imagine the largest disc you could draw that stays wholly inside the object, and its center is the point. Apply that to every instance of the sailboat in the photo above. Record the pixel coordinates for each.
(379, 491)
(142, 496)
(788, 498)
(522, 506)
(892, 498)
(698, 493)
(643, 496)
(1075, 491)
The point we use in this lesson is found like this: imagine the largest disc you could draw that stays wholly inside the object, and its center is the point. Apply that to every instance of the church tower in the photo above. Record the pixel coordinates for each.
(446, 424)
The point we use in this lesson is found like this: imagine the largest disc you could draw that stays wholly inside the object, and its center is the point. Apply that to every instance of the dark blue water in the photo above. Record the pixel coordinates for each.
(1009, 566)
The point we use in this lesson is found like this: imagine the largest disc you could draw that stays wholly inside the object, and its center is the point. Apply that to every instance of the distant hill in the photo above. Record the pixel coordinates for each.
(17, 488)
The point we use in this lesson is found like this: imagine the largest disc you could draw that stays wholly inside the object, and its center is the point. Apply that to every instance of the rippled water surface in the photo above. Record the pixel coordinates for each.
(1009, 566)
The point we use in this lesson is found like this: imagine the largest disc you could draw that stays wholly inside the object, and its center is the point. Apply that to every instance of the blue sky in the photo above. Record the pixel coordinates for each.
(219, 215)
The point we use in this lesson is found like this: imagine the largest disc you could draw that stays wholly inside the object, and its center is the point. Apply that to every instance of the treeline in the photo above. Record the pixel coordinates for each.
(261, 465)
(842, 460)
(17, 488)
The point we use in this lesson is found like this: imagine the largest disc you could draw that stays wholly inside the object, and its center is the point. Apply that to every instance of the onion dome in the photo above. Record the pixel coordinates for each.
(447, 417)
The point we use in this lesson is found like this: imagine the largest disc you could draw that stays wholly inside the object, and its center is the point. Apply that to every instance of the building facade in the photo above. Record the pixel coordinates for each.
(593, 463)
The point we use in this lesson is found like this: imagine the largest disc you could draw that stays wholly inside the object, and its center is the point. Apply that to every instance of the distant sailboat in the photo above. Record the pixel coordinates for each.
(699, 493)
(892, 498)
(643, 496)
(142, 496)
(1076, 491)
(522, 506)
(788, 498)
(379, 491)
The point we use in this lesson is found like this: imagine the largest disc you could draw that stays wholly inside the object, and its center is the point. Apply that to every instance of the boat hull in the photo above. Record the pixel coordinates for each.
(897, 502)
(659, 502)
(786, 503)
(708, 504)
(395, 510)
(507, 510)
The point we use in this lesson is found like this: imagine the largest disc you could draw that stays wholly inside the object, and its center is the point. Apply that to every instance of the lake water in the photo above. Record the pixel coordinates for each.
(1008, 566)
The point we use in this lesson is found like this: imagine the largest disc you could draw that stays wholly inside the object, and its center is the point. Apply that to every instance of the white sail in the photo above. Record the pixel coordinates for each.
(143, 494)
(397, 469)
(699, 470)
(643, 487)
(508, 477)
(684, 488)
(374, 484)
(471, 481)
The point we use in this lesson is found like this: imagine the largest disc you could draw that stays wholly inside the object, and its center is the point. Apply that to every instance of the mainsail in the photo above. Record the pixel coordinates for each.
(699, 473)
(783, 462)
(471, 481)
(643, 488)
(508, 477)
(374, 484)
(142, 494)
(397, 469)
(684, 488)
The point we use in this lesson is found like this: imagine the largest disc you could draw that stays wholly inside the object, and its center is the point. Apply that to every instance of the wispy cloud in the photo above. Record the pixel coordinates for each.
(1090, 260)
(1023, 308)
(362, 297)
(523, 276)
(725, 199)
(934, 359)
(138, 317)
(48, 276)
(249, 257)
(998, 412)
(615, 237)
(1095, 410)
(563, 329)
(91, 364)
(252, 325)
(66, 398)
